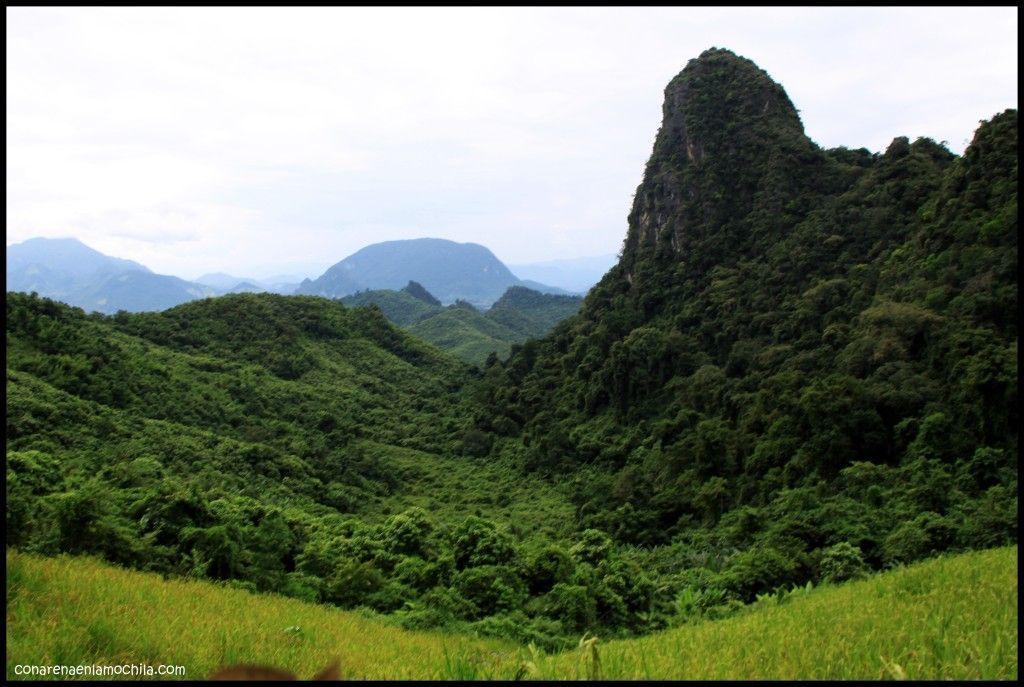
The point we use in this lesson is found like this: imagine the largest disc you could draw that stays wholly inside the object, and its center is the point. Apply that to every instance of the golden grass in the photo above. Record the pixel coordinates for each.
(72, 611)
(947, 618)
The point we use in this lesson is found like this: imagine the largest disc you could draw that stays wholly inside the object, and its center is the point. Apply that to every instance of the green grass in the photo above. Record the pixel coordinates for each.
(947, 618)
(73, 611)
(953, 617)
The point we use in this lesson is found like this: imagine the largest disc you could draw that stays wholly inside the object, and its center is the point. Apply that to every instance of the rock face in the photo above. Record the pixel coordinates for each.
(729, 136)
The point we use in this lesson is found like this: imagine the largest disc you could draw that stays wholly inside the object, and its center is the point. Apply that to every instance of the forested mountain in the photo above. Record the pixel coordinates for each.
(798, 348)
(464, 331)
(803, 367)
(450, 271)
(70, 271)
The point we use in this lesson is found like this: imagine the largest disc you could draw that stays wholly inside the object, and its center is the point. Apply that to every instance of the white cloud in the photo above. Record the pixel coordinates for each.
(197, 139)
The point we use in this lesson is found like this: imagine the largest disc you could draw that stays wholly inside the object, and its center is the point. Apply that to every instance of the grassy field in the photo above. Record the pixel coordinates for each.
(947, 618)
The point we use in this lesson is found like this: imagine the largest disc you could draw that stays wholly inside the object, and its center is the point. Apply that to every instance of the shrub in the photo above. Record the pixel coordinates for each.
(593, 547)
(842, 561)
(352, 583)
(490, 588)
(572, 604)
(757, 570)
(478, 542)
(548, 567)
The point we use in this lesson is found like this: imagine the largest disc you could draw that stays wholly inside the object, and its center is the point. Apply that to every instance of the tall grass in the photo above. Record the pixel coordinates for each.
(947, 618)
(77, 611)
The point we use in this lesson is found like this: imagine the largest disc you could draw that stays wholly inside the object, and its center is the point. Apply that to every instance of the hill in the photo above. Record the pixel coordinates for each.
(403, 307)
(464, 331)
(948, 618)
(802, 369)
(268, 440)
(532, 314)
(798, 347)
(450, 271)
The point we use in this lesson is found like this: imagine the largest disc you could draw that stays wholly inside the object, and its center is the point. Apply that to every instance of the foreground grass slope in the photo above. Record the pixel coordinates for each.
(72, 611)
(947, 618)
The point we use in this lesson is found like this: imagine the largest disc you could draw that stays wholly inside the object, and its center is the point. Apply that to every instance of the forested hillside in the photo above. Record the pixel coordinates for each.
(799, 348)
(803, 368)
(462, 330)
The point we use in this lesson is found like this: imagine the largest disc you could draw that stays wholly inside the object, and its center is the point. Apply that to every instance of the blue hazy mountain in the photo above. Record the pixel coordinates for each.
(450, 271)
(67, 270)
(57, 266)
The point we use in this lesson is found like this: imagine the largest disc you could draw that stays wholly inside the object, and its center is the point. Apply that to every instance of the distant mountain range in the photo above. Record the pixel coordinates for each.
(450, 271)
(462, 329)
(69, 271)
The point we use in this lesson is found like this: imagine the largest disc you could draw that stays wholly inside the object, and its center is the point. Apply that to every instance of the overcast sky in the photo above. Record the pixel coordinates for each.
(263, 140)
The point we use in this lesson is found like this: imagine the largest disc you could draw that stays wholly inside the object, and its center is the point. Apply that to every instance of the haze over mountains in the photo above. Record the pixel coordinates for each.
(450, 271)
(70, 271)
(575, 275)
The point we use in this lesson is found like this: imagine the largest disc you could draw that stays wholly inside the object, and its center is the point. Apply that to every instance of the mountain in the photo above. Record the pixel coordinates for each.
(401, 307)
(575, 275)
(450, 271)
(801, 371)
(68, 256)
(532, 314)
(57, 266)
(462, 329)
(136, 292)
(798, 347)
(70, 271)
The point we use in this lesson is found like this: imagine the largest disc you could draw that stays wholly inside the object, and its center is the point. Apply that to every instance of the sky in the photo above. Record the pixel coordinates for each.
(260, 141)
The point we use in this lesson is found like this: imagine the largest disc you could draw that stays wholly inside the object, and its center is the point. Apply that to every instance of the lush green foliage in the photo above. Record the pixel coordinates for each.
(461, 329)
(798, 349)
(286, 444)
(804, 368)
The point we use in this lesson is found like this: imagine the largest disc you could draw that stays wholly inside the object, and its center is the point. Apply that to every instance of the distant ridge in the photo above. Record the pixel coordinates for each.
(461, 328)
(67, 270)
(450, 271)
